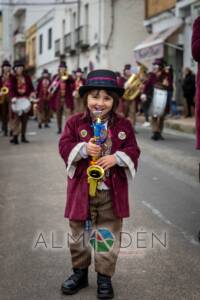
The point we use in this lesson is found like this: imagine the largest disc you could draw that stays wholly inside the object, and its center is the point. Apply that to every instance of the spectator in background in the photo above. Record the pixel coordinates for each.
(171, 101)
(196, 56)
(189, 90)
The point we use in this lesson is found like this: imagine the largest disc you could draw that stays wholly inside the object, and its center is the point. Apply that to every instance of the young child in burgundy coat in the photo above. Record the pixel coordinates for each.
(118, 156)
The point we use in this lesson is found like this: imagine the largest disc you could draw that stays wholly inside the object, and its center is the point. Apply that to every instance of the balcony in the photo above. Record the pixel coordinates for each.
(82, 37)
(67, 42)
(57, 48)
(19, 36)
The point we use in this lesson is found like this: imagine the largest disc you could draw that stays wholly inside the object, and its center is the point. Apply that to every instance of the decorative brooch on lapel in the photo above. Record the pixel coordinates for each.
(83, 133)
(122, 135)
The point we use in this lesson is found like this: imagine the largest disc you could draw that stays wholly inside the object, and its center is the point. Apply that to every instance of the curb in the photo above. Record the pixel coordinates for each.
(180, 126)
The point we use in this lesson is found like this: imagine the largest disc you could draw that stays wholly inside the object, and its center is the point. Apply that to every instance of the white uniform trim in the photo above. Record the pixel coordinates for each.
(74, 156)
(128, 162)
(130, 173)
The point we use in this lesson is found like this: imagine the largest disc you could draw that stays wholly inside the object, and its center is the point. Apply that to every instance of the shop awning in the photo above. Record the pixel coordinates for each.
(153, 46)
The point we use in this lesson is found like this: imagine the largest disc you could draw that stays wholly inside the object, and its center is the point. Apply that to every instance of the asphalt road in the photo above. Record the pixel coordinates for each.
(160, 254)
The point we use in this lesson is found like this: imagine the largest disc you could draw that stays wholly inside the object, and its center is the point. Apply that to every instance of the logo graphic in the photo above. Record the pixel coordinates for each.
(102, 240)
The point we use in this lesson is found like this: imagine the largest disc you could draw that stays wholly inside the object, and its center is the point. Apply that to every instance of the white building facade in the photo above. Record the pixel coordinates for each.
(87, 33)
(92, 34)
(16, 18)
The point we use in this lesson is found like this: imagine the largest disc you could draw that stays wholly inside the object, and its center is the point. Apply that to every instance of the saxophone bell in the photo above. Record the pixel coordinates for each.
(95, 174)
(4, 92)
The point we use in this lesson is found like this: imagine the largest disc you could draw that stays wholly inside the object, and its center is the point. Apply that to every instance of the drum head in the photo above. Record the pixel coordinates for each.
(22, 105)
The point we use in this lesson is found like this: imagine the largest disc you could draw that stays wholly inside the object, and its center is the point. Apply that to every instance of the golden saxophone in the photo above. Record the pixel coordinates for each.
(95, 173)
(4, 92)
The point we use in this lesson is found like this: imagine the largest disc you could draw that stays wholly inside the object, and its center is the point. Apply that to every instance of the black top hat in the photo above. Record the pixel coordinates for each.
(45, 71)
(79, 70)
(127, 67)
(62, 64)
(101, 80)
(6, 64)
(160, 62)
(18, 63)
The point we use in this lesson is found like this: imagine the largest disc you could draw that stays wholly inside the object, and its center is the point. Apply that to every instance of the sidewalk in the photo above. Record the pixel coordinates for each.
(186, 125)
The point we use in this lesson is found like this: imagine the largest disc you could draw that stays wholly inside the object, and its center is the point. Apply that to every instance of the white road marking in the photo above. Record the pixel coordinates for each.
(32, 133)
(156, 212)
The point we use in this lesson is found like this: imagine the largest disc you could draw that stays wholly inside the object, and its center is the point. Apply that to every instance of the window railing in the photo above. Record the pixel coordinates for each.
(82, 36)
(57, 47)
(67, 42)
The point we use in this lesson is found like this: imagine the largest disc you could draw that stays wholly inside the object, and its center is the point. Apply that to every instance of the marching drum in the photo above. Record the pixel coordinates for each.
(159, 102)
(20, 105)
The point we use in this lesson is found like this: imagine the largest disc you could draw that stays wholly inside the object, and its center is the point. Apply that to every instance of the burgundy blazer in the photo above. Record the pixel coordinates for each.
(55, 99)
(196, 56)
(10, 84)
(39, 94)
(29, 87)
(77, 186)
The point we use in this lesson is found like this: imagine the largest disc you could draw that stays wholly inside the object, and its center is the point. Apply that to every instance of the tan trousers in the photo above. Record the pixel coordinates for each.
(102, 217)
(130, 110)
(79, 107)
(19, 124)
(157, 124)
(44, 115)
(59, 114)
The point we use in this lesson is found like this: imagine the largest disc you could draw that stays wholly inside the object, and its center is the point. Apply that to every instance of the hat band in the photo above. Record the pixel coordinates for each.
(101, 81)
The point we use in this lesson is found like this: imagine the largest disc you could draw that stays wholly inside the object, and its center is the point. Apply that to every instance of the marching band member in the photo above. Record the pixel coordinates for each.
(118, 156)
(120, 81)
(5, 94)
(135, 78)
(156, 79)
(22, 87)
(43, 106)
(61, 90)
(79, 81)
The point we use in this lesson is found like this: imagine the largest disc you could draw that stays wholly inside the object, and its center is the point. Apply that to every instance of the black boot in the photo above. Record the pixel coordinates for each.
(14, 140)
(160, 137)
(105, 289)
(155, 136)
(75, 282)
(24, 140)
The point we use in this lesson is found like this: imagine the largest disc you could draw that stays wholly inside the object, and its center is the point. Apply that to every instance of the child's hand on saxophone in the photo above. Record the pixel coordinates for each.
(107, 162)
(93, 149)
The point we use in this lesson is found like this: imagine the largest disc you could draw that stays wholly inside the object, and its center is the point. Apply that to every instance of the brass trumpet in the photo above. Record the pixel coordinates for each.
(134, 83)
(132, 91)
(65, 76)
(95, 173)
(54, 86)
(4, 92)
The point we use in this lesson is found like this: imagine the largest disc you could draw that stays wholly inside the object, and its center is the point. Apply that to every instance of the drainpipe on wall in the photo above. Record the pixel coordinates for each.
(112, 25)
(99, 32)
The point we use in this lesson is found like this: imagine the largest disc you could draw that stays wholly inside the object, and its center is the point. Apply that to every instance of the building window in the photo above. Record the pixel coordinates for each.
(50, 38)
(40, 43)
